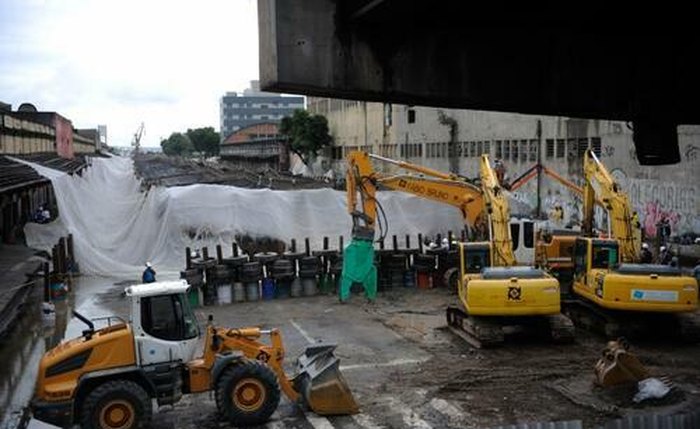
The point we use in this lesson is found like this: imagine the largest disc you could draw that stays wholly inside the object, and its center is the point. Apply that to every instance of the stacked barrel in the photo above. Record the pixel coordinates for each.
(293, 274)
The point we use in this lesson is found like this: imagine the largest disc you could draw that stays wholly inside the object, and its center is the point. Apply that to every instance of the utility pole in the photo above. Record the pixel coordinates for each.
(539, 170)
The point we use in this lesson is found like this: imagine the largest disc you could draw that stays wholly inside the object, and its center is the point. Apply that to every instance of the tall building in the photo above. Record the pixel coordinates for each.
(254, 107)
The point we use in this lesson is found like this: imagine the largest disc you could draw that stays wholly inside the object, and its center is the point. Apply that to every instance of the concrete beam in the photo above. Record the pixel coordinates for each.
(480, 57)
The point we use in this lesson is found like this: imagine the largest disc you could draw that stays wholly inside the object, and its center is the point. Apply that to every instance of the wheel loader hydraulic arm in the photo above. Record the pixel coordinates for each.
(221, 340)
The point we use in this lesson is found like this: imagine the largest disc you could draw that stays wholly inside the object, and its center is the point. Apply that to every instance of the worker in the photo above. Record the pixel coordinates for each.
(149, 274)
(647, 257)
(664, 255)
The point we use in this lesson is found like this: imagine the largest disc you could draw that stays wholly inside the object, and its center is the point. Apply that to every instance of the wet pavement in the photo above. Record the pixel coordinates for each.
(22, 349)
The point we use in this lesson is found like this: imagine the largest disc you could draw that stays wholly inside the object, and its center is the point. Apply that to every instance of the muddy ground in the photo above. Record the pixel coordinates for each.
(407, 370)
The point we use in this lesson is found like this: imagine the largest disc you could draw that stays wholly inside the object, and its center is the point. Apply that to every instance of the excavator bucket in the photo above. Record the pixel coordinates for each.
(321, 383)
(618, 365)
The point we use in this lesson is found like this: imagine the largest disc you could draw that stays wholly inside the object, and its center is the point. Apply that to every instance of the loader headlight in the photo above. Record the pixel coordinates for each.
(551, 289)
(689, 288)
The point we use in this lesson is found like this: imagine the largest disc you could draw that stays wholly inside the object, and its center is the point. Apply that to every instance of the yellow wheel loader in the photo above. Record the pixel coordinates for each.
(107, 378)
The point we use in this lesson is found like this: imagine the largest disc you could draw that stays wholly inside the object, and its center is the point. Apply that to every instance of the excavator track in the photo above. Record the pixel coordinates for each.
(561, 329)
(689, 327)
(477, 331)
(683, 327)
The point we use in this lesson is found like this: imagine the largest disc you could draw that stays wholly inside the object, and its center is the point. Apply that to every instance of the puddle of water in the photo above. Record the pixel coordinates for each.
(21, 351)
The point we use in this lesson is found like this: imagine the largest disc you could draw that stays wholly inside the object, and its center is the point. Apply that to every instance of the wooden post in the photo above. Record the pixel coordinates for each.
(308, 246)
(219, 254)
(62, 255)
(294, 246)
(340, 244)
(395, 242)
(235, 249)
(47, 283)
(408, 241)
(325, 243)
(205, 253)
(420, 243)
(188, 258)
(71, 253)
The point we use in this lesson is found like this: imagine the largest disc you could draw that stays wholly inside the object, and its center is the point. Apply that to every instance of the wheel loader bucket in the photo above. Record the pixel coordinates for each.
(618, 365)
(321, 384)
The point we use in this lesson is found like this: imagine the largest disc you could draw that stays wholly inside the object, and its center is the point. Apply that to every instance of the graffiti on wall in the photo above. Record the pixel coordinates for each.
(691, 153)
(608, 150)
(655, 199)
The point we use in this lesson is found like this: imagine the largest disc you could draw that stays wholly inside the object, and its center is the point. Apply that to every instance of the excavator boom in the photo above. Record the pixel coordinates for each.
(497, 210)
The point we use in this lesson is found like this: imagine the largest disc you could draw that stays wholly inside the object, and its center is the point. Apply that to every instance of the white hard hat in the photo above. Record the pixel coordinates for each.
(148, 264)
(645, 246)
(662, 248)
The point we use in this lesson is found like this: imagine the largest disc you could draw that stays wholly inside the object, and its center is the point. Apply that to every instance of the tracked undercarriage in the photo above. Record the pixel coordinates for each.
(683, 327)
(483, 332)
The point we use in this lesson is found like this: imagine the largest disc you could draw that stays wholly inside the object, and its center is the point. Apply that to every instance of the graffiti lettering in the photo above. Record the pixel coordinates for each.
(691, 152)
(608, 151)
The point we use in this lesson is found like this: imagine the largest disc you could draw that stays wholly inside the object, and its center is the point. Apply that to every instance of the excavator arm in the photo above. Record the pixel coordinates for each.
(362, 182)
(615, 201)
(498, 212)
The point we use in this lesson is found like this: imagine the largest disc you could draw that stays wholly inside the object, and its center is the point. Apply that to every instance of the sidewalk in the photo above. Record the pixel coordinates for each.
(16, 262)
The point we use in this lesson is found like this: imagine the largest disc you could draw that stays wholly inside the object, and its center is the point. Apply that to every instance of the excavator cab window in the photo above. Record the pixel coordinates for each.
(168, 317)
(604, 255)
(476, 259)
(580, 257)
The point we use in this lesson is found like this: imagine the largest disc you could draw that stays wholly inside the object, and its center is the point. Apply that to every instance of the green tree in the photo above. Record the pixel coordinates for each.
(177, 144)
(307, 133)
(205, 140)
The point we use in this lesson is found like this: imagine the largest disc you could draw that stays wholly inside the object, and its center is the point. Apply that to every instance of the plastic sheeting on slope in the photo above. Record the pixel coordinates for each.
(117, 227)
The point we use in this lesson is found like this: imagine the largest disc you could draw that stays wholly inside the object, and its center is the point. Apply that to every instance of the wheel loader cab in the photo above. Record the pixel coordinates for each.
(165, 328)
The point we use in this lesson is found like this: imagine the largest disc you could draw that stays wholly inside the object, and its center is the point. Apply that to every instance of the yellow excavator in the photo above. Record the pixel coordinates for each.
(497, 296)
(107, 378)
(619, 295)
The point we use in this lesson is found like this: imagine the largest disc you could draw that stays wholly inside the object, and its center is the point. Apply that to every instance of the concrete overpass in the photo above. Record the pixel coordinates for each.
(601, 60)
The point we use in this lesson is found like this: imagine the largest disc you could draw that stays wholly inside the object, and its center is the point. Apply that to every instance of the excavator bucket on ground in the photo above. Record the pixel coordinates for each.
(618, 365)
(321, 384)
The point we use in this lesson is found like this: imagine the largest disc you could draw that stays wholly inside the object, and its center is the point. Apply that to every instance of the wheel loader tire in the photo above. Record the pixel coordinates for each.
(117, 404)
(247, 393)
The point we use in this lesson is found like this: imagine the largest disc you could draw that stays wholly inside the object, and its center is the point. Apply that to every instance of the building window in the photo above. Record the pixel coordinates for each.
(549, 152)
(514, 152)
(582, 146)
(487, 148)
(534, 146)
(479, 148)
(595, 145)
(472, 149)
(523, 150)
(499, 149)
(561, 148)
(506, 149)
(387, 114)
(411, 116)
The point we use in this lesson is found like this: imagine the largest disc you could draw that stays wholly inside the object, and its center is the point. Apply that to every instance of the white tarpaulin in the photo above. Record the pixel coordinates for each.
(117, 227)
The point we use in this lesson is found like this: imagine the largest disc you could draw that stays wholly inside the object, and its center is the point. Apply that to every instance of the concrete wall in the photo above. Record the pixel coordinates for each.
(657, 191)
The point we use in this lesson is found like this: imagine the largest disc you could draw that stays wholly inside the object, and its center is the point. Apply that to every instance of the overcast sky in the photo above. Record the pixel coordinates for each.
(123, 62)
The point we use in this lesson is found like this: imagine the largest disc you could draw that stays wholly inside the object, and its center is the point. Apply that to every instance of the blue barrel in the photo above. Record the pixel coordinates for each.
(409, 278)
(268, 288)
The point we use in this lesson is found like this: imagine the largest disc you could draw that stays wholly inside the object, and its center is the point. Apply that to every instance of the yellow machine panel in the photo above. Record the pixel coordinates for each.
(60, 369)
(641, 292)
(512, 297)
